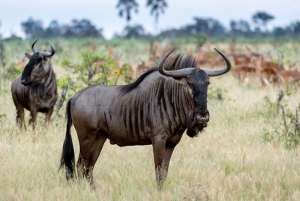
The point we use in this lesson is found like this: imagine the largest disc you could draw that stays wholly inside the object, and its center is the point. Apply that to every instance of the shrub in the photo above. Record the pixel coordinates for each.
(285, 130)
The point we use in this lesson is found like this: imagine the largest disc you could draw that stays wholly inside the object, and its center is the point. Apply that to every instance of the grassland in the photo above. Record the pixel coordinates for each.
(228, 161)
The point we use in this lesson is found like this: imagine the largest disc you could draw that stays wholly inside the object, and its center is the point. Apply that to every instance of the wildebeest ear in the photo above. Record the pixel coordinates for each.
(27, 55)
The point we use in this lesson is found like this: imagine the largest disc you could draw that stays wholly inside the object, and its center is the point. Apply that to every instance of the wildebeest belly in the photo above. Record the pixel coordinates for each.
(43, 109)
(43, 105)
(125, 139)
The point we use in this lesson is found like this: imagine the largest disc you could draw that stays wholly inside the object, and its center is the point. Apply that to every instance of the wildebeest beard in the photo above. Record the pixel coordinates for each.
(193, 126)
(38, 88)
(27, 71)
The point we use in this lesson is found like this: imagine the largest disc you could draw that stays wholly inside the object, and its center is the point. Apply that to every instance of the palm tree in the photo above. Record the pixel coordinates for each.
(157, 7)
(125, 6)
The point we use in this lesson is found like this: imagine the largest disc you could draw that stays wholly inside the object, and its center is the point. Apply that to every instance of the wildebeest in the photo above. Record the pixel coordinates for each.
(155, 109)
(35, 89)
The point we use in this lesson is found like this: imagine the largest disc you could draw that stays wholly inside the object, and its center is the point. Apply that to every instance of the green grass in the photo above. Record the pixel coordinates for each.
(228, 161)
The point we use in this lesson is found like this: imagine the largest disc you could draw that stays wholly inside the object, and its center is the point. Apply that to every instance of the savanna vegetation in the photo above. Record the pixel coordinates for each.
(249, 151)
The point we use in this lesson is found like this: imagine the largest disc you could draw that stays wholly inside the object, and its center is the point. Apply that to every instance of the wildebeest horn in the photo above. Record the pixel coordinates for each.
(212, 73)
(182, 73)
(32, 46)
(52, 51)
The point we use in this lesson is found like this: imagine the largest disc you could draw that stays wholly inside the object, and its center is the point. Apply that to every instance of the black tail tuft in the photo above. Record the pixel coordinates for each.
(67, 155)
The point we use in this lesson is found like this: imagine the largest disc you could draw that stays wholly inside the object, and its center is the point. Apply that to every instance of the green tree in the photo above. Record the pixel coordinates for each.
(296, 28)
(136, 31)
(206, 26)
(279, 32)
(262, 19)
(32, 28)
(240, 28)
(2, 59)
(157, 7)
(82, 28)
(53, 30)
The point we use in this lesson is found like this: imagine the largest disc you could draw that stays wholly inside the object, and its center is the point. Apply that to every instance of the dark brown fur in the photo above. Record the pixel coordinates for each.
(154, 110)
(35, 89)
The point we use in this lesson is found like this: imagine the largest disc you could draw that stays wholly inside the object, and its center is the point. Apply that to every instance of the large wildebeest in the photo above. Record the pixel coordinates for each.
(35, 89)
(155, 109)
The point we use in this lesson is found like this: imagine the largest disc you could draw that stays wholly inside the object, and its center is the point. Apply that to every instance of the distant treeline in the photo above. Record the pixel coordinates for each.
(77, 28)
(200, 26)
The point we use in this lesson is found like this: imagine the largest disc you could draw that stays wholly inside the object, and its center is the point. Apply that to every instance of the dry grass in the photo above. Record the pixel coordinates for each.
(228, 161)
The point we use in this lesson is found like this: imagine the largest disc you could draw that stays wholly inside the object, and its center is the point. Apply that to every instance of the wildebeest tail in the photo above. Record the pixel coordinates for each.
(67, 155)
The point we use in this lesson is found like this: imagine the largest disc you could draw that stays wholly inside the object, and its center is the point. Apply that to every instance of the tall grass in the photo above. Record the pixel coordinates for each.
(228, 161)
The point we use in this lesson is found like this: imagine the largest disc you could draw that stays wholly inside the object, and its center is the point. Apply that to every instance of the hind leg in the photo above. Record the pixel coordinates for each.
(84, 154)
(96, 149)
(86, 141)
(80, 167)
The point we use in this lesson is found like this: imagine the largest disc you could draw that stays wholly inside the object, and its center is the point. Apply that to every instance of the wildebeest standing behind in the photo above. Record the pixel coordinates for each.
(35, 89)
(155, 109)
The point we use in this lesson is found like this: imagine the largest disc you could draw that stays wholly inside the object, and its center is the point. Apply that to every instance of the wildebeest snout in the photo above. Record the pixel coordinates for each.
(202, 117)
(25, 81)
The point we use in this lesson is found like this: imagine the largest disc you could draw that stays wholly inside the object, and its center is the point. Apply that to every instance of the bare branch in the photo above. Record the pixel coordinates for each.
(297, 119)
(280, 96)
(284, 120)
(60, 102)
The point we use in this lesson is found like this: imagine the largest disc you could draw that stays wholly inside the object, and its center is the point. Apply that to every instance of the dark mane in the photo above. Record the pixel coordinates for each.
(129, 87)
(172, 63)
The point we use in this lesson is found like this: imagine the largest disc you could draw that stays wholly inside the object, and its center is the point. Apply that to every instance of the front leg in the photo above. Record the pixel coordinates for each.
(161, 166)
(33, 114)
(20, 117)
(48, 116)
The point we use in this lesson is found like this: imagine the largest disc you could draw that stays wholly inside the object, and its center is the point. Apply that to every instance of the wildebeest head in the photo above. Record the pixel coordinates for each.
(197, 80)
(38, 66)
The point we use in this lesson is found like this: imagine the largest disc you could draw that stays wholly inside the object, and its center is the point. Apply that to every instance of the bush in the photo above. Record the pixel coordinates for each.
(285, 130)
(94, 68)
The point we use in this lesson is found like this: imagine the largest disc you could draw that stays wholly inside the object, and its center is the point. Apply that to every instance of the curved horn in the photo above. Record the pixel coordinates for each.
(32, 46)
(213, 73)
(52, 51)
(182, 73)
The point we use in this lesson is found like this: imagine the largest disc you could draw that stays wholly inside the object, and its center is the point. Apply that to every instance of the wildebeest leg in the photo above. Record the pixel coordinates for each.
(20, 116)
(33, 114)
(167, 157)
(86, 141)
(48, 116)
(159, 144)
(97, 147)
(80, 167)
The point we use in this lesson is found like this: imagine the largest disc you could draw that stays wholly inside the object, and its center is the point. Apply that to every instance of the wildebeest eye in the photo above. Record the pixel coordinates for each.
(39, 59)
